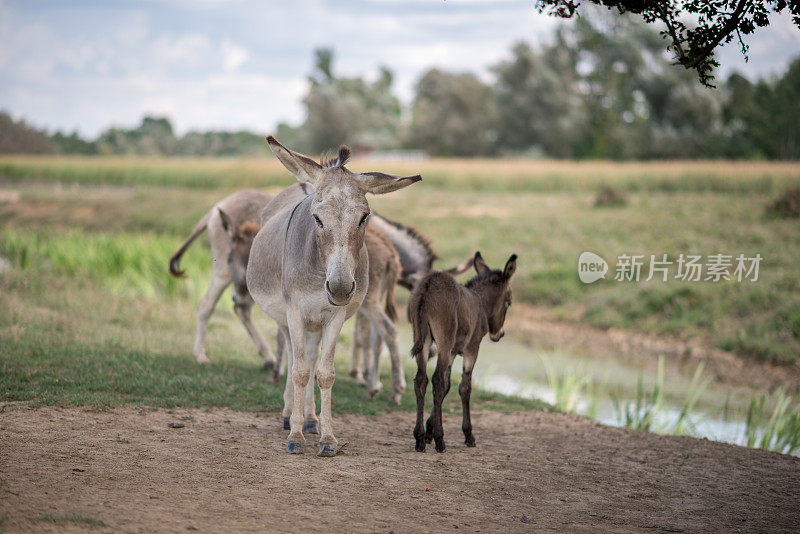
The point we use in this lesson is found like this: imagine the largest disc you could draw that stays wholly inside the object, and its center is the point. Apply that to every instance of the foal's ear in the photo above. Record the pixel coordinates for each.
(511, 266)
(480, 265)
(227, 224)
(302, 167)
(379, 183)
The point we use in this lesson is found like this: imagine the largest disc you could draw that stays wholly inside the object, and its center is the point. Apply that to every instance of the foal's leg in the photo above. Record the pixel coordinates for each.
(465, 390)
(360, 340)
(387, 334)
(288, 391)
(420, 386)
(243, 306)
(219, 282)
(441, 385)
(372, 344)
(325, 377)
(281, 353)
(299, 375)
(311, 423)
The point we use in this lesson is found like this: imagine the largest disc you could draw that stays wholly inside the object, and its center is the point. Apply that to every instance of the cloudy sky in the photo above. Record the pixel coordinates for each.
(88, 64)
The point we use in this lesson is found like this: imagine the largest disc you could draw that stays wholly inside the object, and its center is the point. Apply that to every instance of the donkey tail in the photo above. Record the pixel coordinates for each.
(418, 313)
(392, 275)
(175, 260)
(462, 267)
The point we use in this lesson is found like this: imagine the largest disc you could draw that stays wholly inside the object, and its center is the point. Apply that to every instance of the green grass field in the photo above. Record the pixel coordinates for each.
(91, 316)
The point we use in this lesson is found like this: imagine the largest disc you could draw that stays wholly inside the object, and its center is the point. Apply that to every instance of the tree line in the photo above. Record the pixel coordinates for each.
(601, 87)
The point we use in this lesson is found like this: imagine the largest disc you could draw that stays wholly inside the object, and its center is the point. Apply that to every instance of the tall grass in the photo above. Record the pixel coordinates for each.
(773, 422)
(123, 262)
(640, 412)
(566, 384)
(684, 423)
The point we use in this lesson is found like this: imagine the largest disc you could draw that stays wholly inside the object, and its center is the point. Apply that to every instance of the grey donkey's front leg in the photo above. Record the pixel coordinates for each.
(299, 374)
(325, 375)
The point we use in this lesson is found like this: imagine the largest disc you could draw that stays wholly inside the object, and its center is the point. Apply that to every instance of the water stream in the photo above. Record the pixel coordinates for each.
(514, 369)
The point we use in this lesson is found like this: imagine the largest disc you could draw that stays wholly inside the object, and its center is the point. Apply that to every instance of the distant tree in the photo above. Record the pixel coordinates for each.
(540, 104)
(764, 118)
(602, 88)
(349, 110)
(452, 115)
(153, 137)
(717, 22)
(18, 137)
(73, 144)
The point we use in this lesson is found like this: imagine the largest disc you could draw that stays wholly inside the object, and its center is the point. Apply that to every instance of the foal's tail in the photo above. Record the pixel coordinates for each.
(392, 275)
(418, 312)
(175, 260)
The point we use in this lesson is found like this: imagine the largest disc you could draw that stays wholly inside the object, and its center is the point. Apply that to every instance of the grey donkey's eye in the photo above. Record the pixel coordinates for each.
(363, 219)
(319, 223)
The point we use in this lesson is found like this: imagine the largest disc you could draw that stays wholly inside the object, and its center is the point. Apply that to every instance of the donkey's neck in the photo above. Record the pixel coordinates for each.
(486, 296)
(301, 232)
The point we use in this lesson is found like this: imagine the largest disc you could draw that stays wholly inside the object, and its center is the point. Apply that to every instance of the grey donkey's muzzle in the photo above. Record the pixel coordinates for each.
(340, 292)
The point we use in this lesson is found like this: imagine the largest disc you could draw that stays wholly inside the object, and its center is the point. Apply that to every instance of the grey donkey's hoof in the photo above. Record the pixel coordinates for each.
(286, 424)
(326, 449)
(294, 446)
(311, 427)
(397, 398)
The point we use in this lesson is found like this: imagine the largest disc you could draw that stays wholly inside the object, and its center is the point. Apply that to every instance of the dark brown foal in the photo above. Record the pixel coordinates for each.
(457, 318)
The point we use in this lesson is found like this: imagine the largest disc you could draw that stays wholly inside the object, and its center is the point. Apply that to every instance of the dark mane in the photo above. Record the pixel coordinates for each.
(490, 276)
(419, 238)
(330, 162)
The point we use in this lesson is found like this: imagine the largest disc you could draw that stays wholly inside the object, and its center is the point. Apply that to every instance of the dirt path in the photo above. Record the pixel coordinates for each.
(227, 471)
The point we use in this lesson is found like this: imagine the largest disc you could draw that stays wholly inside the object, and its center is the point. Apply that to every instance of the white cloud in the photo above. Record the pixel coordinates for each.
(233, 56)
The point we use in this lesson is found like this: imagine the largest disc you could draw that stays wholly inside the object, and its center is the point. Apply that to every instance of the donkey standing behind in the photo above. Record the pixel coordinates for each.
(308, 270)
(376, 316)
(232, 224)
(416, 260)
(456, 317)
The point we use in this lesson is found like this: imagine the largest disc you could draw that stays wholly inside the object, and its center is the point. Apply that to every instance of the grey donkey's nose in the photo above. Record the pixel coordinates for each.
(340, 291)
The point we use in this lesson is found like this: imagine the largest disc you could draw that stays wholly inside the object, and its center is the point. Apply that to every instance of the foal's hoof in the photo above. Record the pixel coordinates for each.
(397, 398)
(286, 424)
(326, 449)
(440, 445)
(294, 446)
(268, 366)
(420, 446)
(470, 443)
(311, 427)
(372, 393)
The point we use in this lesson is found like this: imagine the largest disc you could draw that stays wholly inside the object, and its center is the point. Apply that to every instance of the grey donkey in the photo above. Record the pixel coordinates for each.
(308, 270)
(232, 224)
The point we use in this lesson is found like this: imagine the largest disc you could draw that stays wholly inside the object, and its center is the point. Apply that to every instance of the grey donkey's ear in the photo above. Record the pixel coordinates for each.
(302, 167)
(511, 267)
(379, 183)
(227, 224)
(481, 265)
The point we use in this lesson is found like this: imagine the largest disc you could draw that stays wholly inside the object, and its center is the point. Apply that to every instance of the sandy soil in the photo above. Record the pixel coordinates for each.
(226, 471)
